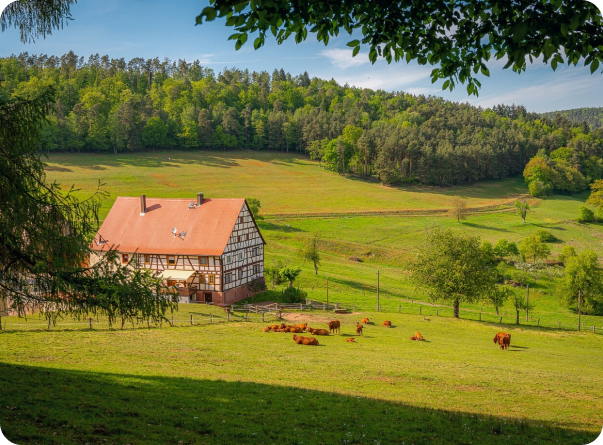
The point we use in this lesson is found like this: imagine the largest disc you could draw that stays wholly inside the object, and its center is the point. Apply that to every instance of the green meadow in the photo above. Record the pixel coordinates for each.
(232, 383)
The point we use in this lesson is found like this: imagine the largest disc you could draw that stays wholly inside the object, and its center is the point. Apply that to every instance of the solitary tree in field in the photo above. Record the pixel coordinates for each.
(459, 208)
(522, 206)
(532, 246)
(583, 279)
(290, 274)
(452, 267)
(309, 252)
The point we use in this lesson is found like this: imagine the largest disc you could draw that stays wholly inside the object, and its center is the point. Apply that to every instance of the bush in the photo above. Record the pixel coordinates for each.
(546, 236)
(294, 295)
(504, 248)
(567, 252)
(488, 250)
(539, 189)
(586, 215)
(257, 285)
(521, 277)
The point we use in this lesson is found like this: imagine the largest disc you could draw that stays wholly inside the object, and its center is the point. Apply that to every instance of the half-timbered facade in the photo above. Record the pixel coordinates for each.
(210, 249)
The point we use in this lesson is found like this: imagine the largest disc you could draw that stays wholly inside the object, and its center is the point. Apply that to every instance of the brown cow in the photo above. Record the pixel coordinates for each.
(302, 325)
(387, 324)
(503, 339)
(365, 321)
(418, 336)
(295, 329)
(334, 326)
(305, 340)
(319, 331)
(350, 340)
(266, 329)
(413, 338)
(358, 329)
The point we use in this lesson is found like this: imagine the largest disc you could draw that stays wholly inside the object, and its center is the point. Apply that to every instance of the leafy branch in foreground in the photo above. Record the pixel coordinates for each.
(45, 235)
(35, 18)
(459, 38)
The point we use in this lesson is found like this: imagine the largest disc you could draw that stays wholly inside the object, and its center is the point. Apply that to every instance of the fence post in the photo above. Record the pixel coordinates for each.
(593, 329)
(228, 313)
(211, 318)
(438, 312)
(247, 315)
(500, 322)
(539, 322)
(191, 319)
(88, 319)
(0, 322)
(148, 323)
(353, 307)
(420, 309)
(480, 316)
(400, 309)
(263, 319)
(49, 324)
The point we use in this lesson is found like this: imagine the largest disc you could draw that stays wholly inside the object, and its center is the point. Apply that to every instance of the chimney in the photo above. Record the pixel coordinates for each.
(143, 204)
(199, 199)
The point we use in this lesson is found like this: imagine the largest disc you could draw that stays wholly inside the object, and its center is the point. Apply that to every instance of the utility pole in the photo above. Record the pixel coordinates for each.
(378, 291)
(579, 306)
(527, 302)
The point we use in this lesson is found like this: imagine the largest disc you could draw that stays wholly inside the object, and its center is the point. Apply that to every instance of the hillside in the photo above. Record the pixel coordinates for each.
(232, 383)
(592, 116)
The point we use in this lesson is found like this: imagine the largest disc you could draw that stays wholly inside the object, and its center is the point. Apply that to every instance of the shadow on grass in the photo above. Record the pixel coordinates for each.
(46, 405)
(482, 227)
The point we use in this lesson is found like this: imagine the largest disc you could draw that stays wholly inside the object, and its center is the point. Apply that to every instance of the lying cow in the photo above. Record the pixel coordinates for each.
(350, 340)
(267, 329)
(295, 329)
(334, 326)
(358, 329)
(305, 340)
(302, 325)
(503, 339)
(387, 324)
(365, 321)
(319, 331)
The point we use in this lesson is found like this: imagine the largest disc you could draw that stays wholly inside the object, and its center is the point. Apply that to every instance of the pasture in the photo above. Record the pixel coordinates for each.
(226, 383)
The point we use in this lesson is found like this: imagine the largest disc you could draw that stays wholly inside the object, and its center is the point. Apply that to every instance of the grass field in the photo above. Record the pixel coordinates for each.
(229, 382)
(283, 183)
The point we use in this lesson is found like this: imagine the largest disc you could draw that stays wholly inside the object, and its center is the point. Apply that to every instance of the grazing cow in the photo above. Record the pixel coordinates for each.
(503, 339)
(365, 321)
(350, 340)
(305, 340)
(334, 326)
(413, 338)
(319, 331)
(387, 324)
(358, 329)
(418, 336)
(266, 329)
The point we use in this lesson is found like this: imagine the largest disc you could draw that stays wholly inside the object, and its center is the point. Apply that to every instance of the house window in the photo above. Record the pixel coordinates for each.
(241, 219)
(147, 259)
(239, 239)
(241, 273)
(255, 251)
(203, 260)
(124, 257)
(228, 259)
(240, 256)
(171, 260)
(212, 279)
(202, 278)
(256, 269)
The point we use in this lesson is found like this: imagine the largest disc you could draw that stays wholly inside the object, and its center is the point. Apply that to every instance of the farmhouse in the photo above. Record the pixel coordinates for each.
(211, 249)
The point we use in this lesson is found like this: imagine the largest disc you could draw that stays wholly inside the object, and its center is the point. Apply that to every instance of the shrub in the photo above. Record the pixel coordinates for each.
(504, 248)
(586, 215)
(546, 236)
(257, 285)
(567, 252)
(488, 250)
(539, 189)
(294, 295)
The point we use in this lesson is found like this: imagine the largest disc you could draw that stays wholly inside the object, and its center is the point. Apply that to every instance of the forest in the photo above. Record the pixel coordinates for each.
(592, 116)
(113, 105)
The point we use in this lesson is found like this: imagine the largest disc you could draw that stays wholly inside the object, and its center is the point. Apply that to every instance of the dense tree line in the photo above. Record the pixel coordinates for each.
(593, 117)
(113, 105)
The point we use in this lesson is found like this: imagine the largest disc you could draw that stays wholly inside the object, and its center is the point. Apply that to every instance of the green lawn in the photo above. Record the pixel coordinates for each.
(230, 382)
(284, 183)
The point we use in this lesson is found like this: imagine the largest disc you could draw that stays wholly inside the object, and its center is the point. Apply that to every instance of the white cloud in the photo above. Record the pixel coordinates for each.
(382, 76)
(342, 58)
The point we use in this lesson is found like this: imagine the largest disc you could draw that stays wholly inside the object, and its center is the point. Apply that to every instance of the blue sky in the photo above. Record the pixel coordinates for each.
(157, 28)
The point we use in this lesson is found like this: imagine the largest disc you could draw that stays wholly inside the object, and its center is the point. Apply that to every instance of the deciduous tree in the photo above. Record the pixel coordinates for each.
(309, 252)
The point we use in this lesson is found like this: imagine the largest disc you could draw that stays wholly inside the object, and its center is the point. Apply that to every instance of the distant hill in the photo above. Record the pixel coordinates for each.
(592, 116)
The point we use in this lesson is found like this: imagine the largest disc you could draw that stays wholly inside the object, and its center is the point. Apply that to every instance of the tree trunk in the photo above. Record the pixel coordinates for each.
(456, 308)
(497, 310)
(315, 269)
(517, 319)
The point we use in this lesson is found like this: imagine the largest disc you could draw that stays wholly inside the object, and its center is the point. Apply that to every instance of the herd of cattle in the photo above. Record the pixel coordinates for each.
(334, 328)
(502, 338)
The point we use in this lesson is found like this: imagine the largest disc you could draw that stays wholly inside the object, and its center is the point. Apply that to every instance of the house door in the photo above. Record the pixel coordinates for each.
(208, 297)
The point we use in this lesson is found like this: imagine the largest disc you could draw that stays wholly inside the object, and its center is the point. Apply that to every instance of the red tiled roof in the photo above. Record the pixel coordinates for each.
(208, 227)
